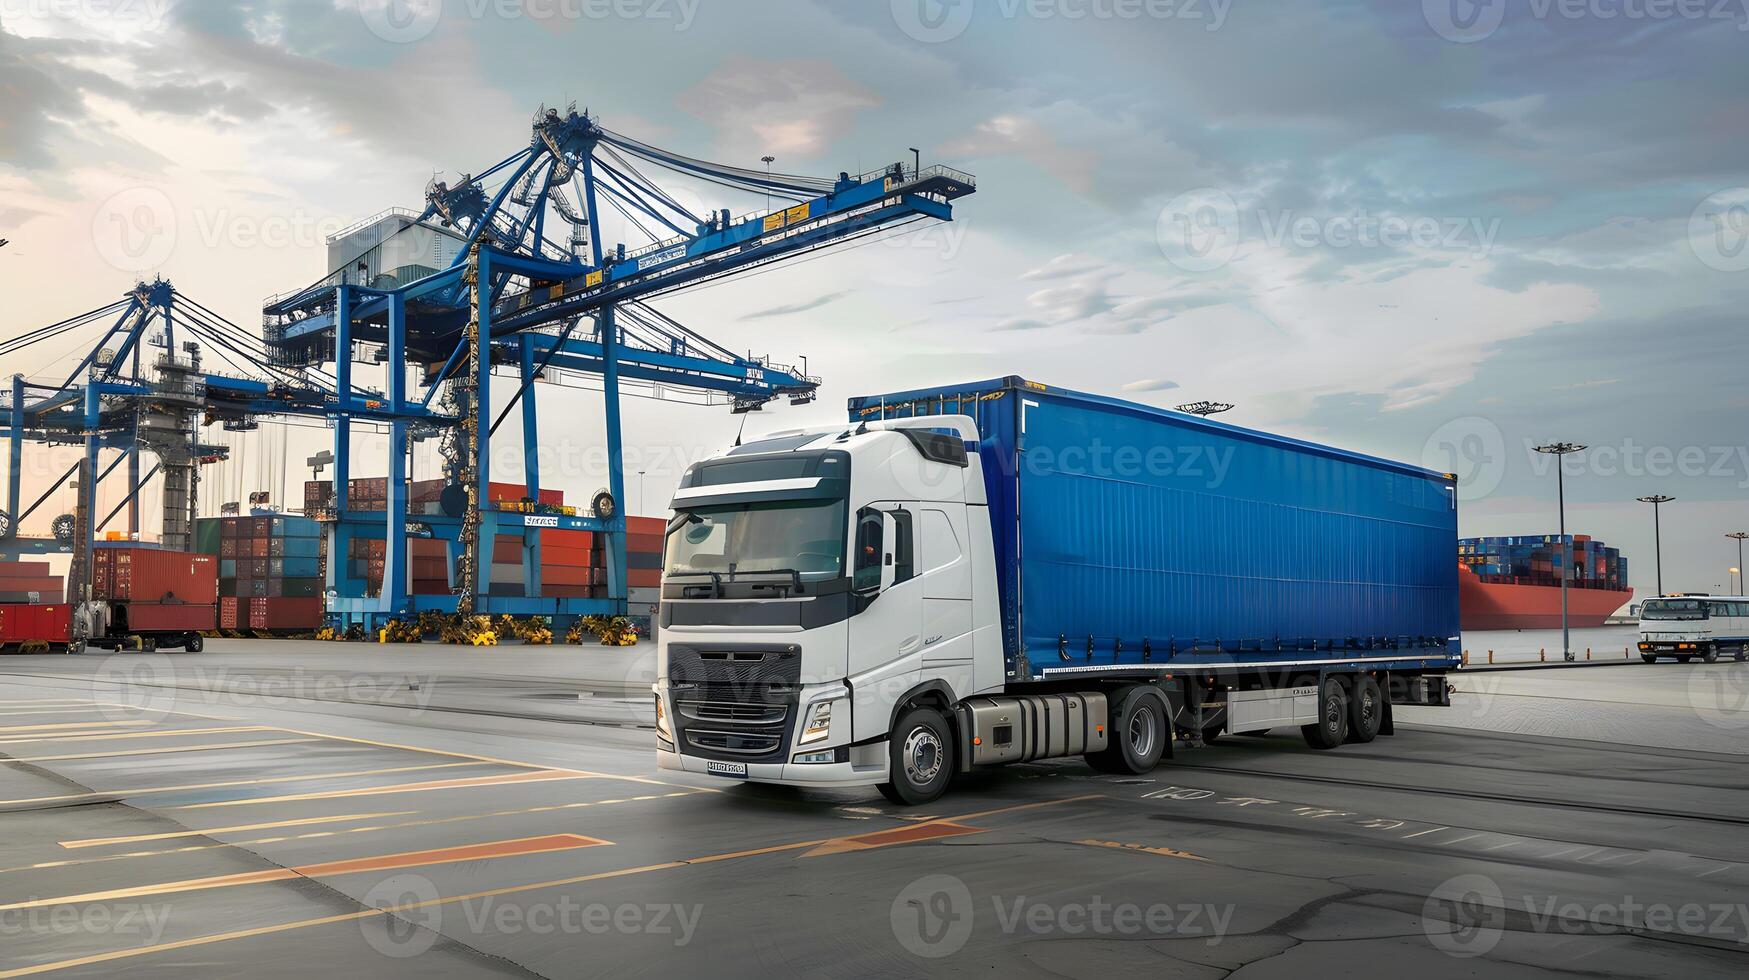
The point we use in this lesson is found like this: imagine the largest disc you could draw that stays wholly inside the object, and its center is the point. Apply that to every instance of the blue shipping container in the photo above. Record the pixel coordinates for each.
(301, 567)
(1127, 534)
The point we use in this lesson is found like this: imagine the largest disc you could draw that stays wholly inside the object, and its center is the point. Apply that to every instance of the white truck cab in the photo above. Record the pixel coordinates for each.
(815, 582)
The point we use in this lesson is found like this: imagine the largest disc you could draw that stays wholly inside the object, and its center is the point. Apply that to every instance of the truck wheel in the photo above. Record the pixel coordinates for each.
(1366, 711)
(1331, 728)
(194, 644)
(1742, 651)
(1137, 737)
(1652, 658)
(919, 758)
(1211, 735)
(1711, 654)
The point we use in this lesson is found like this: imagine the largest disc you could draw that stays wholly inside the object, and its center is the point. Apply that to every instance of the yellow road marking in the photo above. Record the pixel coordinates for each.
(435, 821)
(537, 776)
(239, 828)
(180, 731)
(1162, 851)
(130, 793)
(63, 725)
(475, 897)
(489, 850)
(161, 751)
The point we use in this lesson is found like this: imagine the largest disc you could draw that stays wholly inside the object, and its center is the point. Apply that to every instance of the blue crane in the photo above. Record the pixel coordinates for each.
(475, 281)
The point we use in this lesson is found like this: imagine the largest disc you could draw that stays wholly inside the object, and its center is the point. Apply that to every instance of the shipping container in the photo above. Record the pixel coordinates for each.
(163, 617)
(48, 623)
(285, 614)
(154, 575)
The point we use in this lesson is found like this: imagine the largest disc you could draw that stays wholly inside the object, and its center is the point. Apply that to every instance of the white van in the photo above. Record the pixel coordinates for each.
(1692, 626)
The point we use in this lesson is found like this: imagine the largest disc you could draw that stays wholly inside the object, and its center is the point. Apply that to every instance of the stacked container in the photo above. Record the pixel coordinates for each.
(271, 572)
(30, 582)
(1538, 559)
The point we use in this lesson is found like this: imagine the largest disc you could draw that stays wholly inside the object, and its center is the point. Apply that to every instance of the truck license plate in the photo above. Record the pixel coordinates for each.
(737, 770)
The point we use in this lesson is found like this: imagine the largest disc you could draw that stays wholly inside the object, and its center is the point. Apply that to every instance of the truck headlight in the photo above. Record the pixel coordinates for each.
(662, 720)
(819, 724)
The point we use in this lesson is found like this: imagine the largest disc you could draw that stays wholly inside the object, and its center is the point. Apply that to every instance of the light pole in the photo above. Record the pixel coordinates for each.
(1559, 450)
(641, 500)
(1657, 500)
(768, 158)
(1739, 536)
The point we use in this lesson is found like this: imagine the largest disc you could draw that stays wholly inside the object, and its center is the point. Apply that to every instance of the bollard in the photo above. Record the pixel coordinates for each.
(1542, 656)
(1466, 661)
(1587, 653)
(1490, 656)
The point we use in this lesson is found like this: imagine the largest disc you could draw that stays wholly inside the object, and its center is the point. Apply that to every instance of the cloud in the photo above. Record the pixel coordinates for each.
(1149, 384)
(798, 307)
(1015, 135)
(788, 109)
(1021, 323)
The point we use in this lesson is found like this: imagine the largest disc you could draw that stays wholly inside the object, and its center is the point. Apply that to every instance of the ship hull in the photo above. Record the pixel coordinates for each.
(1502, 606)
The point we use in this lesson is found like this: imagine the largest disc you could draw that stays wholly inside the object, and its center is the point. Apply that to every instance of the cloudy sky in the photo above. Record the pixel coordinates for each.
(1441, 232)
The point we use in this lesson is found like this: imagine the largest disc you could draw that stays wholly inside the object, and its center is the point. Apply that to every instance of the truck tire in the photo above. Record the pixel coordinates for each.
(195, 643)
(919, 758)
(1211, 735)
(1331, 728)
(1742, 651)
(1711, 654)
(1366, 711)
(1138, 736)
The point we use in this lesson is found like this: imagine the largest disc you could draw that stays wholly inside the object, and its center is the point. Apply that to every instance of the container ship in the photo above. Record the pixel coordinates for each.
(1514, 583)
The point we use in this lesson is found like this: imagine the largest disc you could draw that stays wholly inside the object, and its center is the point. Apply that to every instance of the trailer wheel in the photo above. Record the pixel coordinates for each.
(1137, 739)
(1711, 654)
(919, 758)
(1366, 711)
(195, 643)
(1742, 651)
(1331, 728)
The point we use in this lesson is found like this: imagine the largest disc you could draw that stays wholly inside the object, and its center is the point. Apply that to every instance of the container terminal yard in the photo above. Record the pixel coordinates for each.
(961, 671)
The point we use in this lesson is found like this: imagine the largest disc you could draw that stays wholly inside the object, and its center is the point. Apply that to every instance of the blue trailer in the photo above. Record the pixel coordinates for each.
(1129, 536)
(990, 573)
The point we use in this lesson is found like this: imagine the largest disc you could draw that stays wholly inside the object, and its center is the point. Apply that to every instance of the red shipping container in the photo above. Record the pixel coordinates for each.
(431, 568)
(559, 575)
(566, 557)
(424, 586)
(51, 585)
(644, 543)
(152, 574)
(51, 623)
(513, 492)
(566, 538)
(427, 548)
(167, 617)
(646, 525)
(24, 569)
(227, 547)
(643, 578)
(228, 613)
(285, 613)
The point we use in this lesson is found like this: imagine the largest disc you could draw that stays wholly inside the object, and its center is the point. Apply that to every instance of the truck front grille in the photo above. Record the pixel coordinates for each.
(738, 743)
(733, 712)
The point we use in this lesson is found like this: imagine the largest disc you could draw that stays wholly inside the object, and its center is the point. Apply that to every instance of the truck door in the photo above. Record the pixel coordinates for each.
(946, 570)
(886, 627)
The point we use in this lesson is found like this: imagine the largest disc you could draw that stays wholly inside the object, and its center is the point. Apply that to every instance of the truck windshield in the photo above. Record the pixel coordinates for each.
(804, 535)
(1673, 609)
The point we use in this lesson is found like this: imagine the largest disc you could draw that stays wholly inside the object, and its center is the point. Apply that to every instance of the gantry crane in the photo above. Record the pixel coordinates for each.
(507, 296)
